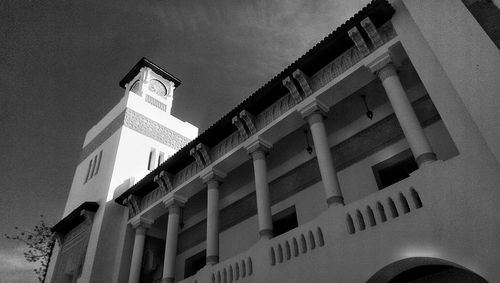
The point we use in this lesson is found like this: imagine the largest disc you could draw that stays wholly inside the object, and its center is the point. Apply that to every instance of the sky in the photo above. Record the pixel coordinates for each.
(61, 61)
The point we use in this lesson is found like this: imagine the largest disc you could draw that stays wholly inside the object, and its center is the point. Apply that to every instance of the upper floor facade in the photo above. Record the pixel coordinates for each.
(369, 157)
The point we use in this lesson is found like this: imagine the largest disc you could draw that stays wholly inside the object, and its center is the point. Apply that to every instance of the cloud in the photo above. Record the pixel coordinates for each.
(14, 268)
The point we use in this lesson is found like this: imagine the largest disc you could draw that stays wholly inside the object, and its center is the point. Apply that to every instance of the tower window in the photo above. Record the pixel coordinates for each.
(394, 169)
(285, 221)
(152, 159)
(94, 165)
(88, 170)
(161, 158)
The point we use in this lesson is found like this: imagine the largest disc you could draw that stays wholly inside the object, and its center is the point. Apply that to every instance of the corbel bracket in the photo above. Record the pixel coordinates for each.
(164, 181)
(288, 83)
(372, 32)
(241, 129)
(360, 43)
(201, 155)
(132, 202)
(303, 80)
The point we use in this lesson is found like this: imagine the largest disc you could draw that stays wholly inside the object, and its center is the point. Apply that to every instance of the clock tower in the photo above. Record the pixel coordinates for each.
(130, 141)
(151, 82)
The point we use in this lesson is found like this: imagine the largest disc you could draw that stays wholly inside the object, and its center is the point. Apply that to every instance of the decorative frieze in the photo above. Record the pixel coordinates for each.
(154, 130)
(275, 110)
(156, 103)
(227, 144)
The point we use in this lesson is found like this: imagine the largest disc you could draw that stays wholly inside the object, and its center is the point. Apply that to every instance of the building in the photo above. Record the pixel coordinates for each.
(374, 157)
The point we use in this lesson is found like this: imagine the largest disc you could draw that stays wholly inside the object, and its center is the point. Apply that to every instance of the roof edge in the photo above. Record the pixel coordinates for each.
(144, 62)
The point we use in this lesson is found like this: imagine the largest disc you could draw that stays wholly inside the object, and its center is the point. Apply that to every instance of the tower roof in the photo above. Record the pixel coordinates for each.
(146, 63)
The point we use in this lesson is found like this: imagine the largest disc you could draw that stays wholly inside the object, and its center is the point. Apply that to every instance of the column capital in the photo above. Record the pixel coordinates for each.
(315, 106)
(213, 175)
(258, 145)
(172, 202)
(382, 66)
(141, 221)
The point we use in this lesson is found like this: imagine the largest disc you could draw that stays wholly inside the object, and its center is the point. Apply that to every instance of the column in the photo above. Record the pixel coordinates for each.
(257, 151)
(314, 113)
(413, 131)
(140, 225)
(173, 204)
(212, 179)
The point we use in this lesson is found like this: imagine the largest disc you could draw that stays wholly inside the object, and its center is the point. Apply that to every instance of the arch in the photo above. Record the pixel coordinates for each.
(230, 275)
(280, 253)
(218, 277)
(295, 247)
(225, 275)
(244, 268)
(213, 278)
(288, 253)
(381, 212)
(303, 243)
(273, 259)
(312, 243)
(403, 270)
(404, 203)
(392, 208)
(371, 216)
(236, 271)
(416, 198)
(250, 266)
(321, 239)
(361, 221)
(350, 224)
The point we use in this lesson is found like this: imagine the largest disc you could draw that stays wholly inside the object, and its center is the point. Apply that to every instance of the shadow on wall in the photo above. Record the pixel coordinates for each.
(424, 269)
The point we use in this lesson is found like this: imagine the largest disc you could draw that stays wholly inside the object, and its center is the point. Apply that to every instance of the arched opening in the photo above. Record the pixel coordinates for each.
(437, 273)
(428, 270)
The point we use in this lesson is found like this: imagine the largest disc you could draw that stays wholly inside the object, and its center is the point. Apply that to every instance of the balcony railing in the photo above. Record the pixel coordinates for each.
(374, 221)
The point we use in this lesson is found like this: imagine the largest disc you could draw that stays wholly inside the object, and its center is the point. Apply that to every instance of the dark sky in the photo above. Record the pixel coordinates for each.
(61, 61)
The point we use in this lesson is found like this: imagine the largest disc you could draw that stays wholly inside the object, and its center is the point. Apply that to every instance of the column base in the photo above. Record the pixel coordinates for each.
(425, 157)
(212, 259)
(335, 200)
(266, 234)
(167, 280)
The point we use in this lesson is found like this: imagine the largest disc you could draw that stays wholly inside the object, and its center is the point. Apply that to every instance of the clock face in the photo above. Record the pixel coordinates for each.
(135, 87)
(158, 88)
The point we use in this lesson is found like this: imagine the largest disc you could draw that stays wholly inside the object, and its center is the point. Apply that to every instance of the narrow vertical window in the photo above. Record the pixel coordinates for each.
(98, 163)
(161, 158)
(88, 171)
(152, 159)
(93, 167)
